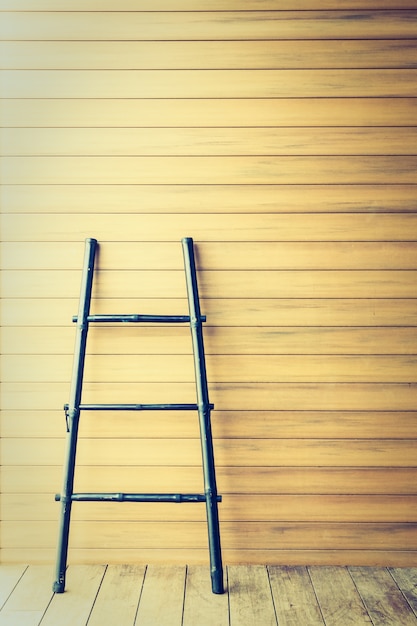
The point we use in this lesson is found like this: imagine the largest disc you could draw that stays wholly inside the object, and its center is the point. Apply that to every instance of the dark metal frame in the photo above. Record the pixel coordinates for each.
(203, 406)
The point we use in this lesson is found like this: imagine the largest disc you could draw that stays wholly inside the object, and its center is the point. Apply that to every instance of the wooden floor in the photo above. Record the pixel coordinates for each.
(131, 595)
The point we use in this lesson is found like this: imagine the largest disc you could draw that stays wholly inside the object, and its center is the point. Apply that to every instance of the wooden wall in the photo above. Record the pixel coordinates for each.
(280, 135)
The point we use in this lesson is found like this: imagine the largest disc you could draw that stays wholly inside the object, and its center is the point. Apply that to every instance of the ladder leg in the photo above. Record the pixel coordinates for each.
(210, 487)
(72, 412)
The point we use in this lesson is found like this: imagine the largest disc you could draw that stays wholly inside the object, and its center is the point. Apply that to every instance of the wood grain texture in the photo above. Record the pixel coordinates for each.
(211, 256)
(405, 579)
(243, 201)
(225, 424)
(33, 594)
(237, 452)
(9, 578)
(392, 606)
(200, 605)
(119, 594)
(207, 113)
(283, 141)
(294, 596)
(220, 368)
(340, 601)
(235, 284)
(206, 170)
(198, 556)
(164, 591)
(201, 25)
(246, 480)
(208, 142)
(84, 583)
(208, 54)
(369, 312)
(250, 601)
(288, 83)
(232, 340)
(242, 508)
(200, 5)
(236, 536)
(262, 227)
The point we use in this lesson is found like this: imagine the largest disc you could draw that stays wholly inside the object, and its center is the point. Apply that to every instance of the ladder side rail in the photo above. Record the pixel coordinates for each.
(72, 412)
(204, 409)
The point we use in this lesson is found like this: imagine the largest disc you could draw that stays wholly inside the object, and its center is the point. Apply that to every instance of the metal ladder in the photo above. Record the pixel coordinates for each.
(74, 408)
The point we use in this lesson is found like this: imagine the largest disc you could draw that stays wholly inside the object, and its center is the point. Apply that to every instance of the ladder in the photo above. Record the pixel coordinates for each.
(74, 408)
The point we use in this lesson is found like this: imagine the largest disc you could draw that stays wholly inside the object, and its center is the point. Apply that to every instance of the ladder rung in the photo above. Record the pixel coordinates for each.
(137, 497)
(139, 407)
(134, 318)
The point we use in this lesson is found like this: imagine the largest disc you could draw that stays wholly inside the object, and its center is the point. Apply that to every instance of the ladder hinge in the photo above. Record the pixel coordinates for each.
(66, 411)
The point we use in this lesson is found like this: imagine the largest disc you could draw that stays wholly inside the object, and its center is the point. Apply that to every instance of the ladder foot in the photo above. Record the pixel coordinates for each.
(217, 582)
(58, 587)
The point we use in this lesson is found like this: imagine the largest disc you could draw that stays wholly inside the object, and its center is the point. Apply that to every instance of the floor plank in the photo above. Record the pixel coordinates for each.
(384, 601)
(27, 604)
(339, 601)
(162, 597)
(73, 607)
(119, 595)
(9, 577)
(294, 597)
(250, 596)
(181, 596)
(406, 579)
(201, 606)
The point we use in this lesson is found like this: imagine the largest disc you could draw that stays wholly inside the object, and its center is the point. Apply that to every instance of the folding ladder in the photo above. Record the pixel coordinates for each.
(74, 408)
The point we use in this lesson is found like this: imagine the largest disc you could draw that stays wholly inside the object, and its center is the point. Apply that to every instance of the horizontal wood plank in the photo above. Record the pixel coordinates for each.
(262, 227)
(205, 55)
(289, 83)
(220, 368)
(177, 25)
(233, 284)
(206, 113)
(199, 5)
(210, 170)
(225, 424)
(218, 340)
(244, 480)
(237, 508)
(22, 142)
(248, 312)
(280, 536)
(378, 558)
(221, 256)
(236, 452)
(195, 199)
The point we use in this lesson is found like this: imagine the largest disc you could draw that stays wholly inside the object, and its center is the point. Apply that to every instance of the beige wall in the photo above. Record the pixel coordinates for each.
(283, 141)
